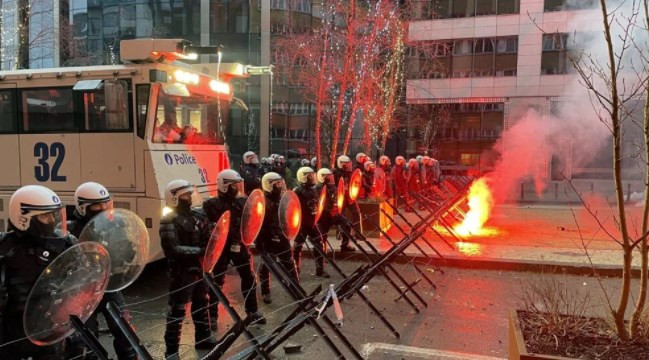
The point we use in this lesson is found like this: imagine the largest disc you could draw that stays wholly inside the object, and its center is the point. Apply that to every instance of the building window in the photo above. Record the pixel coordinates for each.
(506, 56)
(483, 57)
(508, 7)
(107, 110)
(459, 135)
(485, 7)
(462, 58)
(8, 118)
(48, 110)
(443, 9)
(560, 5)
(142, 108)
(555, 57)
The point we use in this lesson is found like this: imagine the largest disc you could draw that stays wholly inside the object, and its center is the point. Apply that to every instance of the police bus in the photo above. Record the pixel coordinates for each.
(131, 127)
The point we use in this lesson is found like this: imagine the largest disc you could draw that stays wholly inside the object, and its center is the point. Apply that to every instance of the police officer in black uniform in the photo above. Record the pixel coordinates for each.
(92, 198)
(32, 243)
(309, 197)
(235, 251)
(184, 234)
(250, 172)
(344, 170)
(271, 239)
(330, 214)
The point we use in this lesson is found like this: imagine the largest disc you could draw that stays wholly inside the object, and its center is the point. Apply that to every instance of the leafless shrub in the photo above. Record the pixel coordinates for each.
(553, 310)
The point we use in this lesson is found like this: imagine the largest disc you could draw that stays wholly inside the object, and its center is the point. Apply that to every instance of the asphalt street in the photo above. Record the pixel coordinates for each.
(465, 316)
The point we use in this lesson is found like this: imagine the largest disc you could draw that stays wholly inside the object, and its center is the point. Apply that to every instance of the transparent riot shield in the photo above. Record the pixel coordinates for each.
(340, 194)
(355, 184)
(290, 214)
(253, 216)
(217, 242)
(378, 182)
(124, 234)
(322, 200)
(72, 284)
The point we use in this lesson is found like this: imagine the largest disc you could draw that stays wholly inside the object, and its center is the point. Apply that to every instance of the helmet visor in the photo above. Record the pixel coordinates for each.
(278, 185)
(235, 189)
(98, 207)
(347, 166)
(329, 179)
(190, 194)
(51, 224)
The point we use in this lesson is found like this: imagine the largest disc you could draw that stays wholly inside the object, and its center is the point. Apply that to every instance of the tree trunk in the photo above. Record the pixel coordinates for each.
(319, 97)
(22, 53)
(644, 249)
(349, 46)
(618, 313)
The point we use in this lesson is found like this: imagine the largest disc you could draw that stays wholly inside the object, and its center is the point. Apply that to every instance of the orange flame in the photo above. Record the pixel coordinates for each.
(480, 206)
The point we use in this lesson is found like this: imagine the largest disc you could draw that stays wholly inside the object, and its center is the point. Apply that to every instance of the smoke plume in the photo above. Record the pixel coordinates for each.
(575, 134)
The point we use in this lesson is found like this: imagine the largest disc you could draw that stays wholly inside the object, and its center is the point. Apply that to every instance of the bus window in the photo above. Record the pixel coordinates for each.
(189, 120)
(142, 107)
(48, 110)
(107, 110)
(8, 119)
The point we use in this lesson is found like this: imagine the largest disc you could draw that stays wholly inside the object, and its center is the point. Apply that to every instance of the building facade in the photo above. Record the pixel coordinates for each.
(496, 60)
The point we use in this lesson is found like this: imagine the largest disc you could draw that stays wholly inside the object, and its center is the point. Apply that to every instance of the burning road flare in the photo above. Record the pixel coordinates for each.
(480, 201)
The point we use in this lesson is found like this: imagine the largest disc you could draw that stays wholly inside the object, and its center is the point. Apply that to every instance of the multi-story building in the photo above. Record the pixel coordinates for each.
(495, 60)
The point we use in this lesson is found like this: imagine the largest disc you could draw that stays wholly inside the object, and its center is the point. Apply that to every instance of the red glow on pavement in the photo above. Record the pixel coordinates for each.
(480, 206)
(469, 248)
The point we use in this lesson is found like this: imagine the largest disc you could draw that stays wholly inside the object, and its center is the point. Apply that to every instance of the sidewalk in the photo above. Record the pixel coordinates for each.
(523, 238)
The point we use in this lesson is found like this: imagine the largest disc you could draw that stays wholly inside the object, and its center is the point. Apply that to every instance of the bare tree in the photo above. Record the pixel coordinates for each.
(615, 87)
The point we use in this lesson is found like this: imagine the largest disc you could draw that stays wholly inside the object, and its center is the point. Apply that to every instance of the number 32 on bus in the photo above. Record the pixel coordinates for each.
(131, 127)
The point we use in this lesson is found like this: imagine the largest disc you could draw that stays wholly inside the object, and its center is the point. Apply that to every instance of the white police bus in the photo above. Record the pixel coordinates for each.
(132, 127)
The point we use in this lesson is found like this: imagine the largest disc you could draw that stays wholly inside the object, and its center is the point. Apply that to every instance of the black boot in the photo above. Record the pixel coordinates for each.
(175, 318)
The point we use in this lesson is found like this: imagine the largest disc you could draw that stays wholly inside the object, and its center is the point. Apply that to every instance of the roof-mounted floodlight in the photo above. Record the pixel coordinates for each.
(259, 70)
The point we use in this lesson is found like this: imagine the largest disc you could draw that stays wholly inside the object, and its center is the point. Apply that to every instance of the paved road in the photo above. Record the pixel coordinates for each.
(467, 313)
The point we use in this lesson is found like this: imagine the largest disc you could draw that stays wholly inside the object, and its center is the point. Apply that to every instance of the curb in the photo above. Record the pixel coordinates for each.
(494, 264)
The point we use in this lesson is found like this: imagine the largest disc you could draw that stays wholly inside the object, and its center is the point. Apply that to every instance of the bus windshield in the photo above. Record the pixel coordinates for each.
(194, 119)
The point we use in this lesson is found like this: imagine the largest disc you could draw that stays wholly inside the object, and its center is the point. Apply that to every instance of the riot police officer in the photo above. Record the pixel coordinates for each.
(385, 165)
(399, 178)
(414, 181)
(32, 243)
(314, 163)
(305, 162)
(266, 166)
(428, 178)
(344, 171)
(90, 199)
(437, 170)
(309, 197)
(273, 162)
(361, 158)
(331, 213)
(235, 251)
(367, 182)
(250, 172)
(183, 235)
(271, 239)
